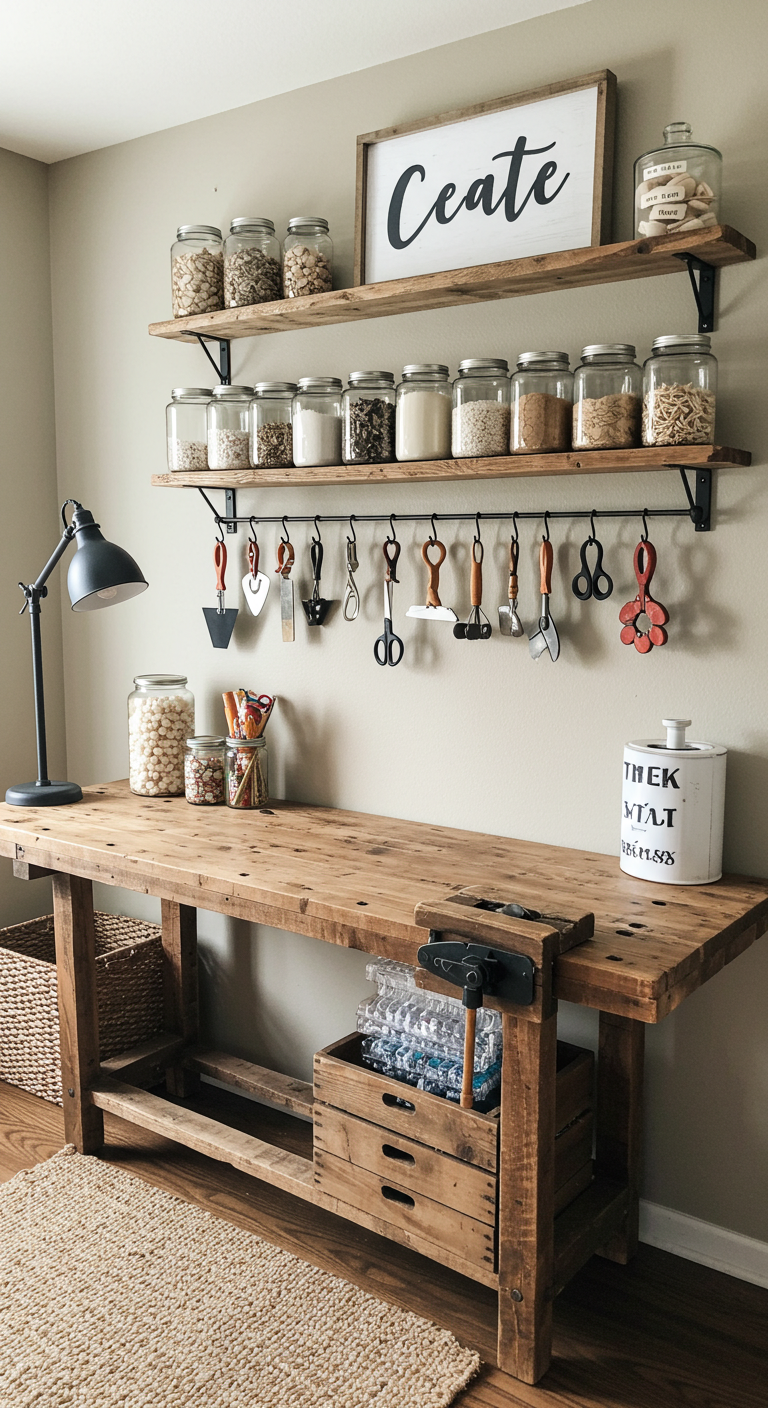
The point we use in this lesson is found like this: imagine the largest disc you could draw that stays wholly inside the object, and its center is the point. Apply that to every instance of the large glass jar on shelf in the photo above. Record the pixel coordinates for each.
(307, 257)
(252, 265)
(317, 421)
(368, 415)
(197, 270)
(228, 418)
(161, 717)
(480, 418)
(247, 773)
(607, 398)
(186, 427)
(677, 187)
(271, 444)
(423, 413)
(542, 404)
(679, 391)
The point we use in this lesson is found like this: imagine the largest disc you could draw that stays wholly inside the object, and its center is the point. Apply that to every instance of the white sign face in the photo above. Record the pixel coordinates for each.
(499, 186)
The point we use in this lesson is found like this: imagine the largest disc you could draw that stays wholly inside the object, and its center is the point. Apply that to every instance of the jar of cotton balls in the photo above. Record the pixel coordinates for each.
(161, 717)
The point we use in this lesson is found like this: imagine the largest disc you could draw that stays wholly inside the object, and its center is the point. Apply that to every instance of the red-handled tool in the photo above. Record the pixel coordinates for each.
(255, 583)
(220, 620)
(644, 605)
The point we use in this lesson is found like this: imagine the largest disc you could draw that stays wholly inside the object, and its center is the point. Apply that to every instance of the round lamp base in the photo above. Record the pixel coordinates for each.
(44, 794)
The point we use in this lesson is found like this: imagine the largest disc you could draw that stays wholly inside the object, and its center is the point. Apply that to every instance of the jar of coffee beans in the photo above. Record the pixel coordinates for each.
(271, 444)
(368, 414)
(252, 271)
(307, 257)
(197, 270)
(607, 398)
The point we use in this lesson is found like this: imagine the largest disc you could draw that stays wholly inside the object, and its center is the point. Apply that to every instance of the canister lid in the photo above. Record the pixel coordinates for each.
(319, 383)
(186, 232)
(426, 369)
(205, 740)
(673, 342)
(238, 392)
(198, 392)
(676, 741)
(258, 223)
(159, 681)
(275, 388)
(525, 359)
(298, 223)
(483, 364)
(623, 351)
(358, 378)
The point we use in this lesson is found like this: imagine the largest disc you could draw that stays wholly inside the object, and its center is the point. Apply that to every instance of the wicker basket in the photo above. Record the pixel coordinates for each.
(129, 960)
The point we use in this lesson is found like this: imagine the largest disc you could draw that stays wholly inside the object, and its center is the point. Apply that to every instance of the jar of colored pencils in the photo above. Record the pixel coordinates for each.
(247, 773)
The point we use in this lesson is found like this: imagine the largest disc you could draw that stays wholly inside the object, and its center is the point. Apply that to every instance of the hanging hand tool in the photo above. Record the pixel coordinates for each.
(434, 610)
(509, 621)
(644, 604)
(388, 648)
(317, 608)
(545, 637)
(220, 620)
(285, 560)
(597, 583)
(255, 583)
(477, 626)
(351, 607)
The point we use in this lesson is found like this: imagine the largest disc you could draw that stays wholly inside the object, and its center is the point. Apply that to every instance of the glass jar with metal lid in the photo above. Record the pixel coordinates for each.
(204, 771)
(307, 256)
(247, 773)
(186, 427)
(607, 398)
(677, 187)
(480, 420)
(542, 404)
(679, 391)
(252, 267)
(161, 716)
(271, 443)
(368, 414)
(316, 413)
(197, 270)
(423, 413)
(228, 416)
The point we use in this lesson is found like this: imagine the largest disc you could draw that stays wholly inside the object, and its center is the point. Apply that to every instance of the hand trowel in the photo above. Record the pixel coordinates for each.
(220, 620)
(433, 611)
(545, 637)
(255, 583)
(509, 621)
(285, 560)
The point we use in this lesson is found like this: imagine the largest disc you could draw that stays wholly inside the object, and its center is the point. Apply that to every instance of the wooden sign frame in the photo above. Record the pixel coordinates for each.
(603, 80)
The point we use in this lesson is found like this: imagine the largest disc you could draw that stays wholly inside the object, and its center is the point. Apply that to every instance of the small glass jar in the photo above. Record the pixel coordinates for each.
(161, 717)
(607, 398)
(677, 187)
(204, 771)
(316, 414)
(424, 405)
(368, 413)
(307, 257)
(252, 268)
(186, 427)
(197, 270)
(542, 404)
(247, 768)
(271, 442)
(680, 391)
(480, 420)
(228, 417)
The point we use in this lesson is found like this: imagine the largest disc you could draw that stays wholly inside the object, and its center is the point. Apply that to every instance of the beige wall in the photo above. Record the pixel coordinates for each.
(460, 735)
(29, 517)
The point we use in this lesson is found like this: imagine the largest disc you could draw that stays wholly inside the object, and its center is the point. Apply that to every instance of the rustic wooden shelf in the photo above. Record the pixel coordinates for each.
(497, 467)
(541, 273)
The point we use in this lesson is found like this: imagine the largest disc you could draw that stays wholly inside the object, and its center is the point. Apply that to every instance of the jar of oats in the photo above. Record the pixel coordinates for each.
(542, 404)
(252, 272)
(607, 398)
(161, 717)
(480, 415)
(271, 429)
(307, 256)
(197, 270)
(186, 427)
(228, 427)
(679, 391)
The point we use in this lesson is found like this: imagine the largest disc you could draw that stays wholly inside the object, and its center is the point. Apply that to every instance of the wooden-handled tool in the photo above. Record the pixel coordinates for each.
(509, 621)
(255, 583)
(285, 561)
(545, 636)
(477, 626)
(220, 620)
(434, 610)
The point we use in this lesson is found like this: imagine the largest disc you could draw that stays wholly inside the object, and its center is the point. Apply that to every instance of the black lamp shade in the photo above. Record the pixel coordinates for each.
(100, 573)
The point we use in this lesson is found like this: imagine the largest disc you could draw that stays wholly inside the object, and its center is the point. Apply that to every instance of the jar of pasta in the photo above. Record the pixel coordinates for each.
(607, 398)
(679, 391)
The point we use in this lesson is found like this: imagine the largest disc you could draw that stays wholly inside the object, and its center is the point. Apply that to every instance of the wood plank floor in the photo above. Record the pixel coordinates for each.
(662, 1333)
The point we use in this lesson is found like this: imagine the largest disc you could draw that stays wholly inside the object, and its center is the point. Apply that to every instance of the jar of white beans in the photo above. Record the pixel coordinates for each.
(161, 717)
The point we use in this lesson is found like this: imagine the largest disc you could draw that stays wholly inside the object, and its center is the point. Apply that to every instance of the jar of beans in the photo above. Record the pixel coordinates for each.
(204, 770)
(161, 717)
(247, 784)
(607, 398)
(368, 414)
(186, 427)
(542, 403)
(480, 424)
(228, 417)
(271, 443)
(307, 257)
(252, 271)
(197, 270)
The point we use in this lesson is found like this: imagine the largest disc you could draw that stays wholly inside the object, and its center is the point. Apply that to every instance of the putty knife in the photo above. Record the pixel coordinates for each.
(433, 611)
(220, 620)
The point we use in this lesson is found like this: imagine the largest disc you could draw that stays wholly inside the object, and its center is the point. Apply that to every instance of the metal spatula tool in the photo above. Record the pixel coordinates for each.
(255, 583)
(285, 561)
(220, 620)
(509, 621)
(433, 611)
(545, 637)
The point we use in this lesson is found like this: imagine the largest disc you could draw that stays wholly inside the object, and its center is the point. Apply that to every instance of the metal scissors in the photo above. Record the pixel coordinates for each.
(351, 594)
(388, 648)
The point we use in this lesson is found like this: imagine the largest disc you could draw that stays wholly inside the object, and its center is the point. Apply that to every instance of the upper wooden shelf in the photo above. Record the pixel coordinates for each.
(541, 273)
(498, 467)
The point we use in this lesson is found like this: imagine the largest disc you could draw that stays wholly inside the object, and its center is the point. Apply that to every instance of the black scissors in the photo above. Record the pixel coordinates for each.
(388, 648)
(587, 584)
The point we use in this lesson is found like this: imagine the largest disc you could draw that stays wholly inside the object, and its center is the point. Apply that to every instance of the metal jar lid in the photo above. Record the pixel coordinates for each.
(674, 342)
(259, 742)
(426, 369)
(319, 383)
(299, 223)
(491, 365)
(245, 224)
(206, 740)
(371, 379)
(622, 351)
(159, 681)
(235, 392)
(199, 393)
(189, 232)
(527, 359)
(275, 388)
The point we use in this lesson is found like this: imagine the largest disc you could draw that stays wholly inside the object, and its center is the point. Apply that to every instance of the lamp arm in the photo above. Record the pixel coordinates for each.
(58, 552)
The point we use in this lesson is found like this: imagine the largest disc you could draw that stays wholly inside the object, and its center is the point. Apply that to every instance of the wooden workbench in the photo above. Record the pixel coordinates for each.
(355, 880)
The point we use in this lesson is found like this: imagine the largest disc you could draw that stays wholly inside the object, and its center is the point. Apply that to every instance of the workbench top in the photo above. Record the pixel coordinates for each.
(353, 879)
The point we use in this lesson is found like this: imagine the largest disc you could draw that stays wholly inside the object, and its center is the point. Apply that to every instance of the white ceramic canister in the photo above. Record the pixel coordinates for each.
(673, 799)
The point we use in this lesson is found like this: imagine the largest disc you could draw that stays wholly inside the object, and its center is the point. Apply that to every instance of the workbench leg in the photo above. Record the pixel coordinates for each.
(78, 1010)
(180, 1008)
(620, 1120)
(527, 1196)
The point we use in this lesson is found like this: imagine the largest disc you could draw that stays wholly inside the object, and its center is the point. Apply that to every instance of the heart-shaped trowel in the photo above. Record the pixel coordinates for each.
(255, 583)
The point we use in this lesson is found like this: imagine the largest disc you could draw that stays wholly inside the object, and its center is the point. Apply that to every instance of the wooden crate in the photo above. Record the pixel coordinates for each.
(420, 1162)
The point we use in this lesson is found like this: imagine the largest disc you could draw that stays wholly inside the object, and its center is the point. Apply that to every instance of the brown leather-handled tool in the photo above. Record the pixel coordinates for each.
(545, 637)
(220, 620)
(255, 583)
(477, 626)
(509, 621)
(434, 610)
(285, 560)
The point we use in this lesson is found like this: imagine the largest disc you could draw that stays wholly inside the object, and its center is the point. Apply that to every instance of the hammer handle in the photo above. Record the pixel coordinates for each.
(470, 1014)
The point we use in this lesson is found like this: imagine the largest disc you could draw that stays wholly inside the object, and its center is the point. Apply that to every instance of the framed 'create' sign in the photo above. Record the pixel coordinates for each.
(517, 176)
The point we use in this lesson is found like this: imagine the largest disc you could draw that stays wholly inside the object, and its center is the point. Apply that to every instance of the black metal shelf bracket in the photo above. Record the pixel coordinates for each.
(703, 291)
(230, 509)
(222, 368)
(700, 502)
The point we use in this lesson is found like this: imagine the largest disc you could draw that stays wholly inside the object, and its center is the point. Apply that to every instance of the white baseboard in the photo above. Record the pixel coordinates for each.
(713, 1246)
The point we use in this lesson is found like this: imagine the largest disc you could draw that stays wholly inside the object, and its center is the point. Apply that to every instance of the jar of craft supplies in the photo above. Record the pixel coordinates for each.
(316, 413)
(161, 717)
(480, 418)
(228, 417)
(368, 414)
(186, 427)
(542, 404)
(204, 770)
(677, 187)
(271, 442)
(197, 270)
(607, 398)
(423, 413)
(247, 777)
(679, 391)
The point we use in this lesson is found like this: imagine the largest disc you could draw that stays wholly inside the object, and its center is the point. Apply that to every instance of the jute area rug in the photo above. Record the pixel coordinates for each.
(116, 1293)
